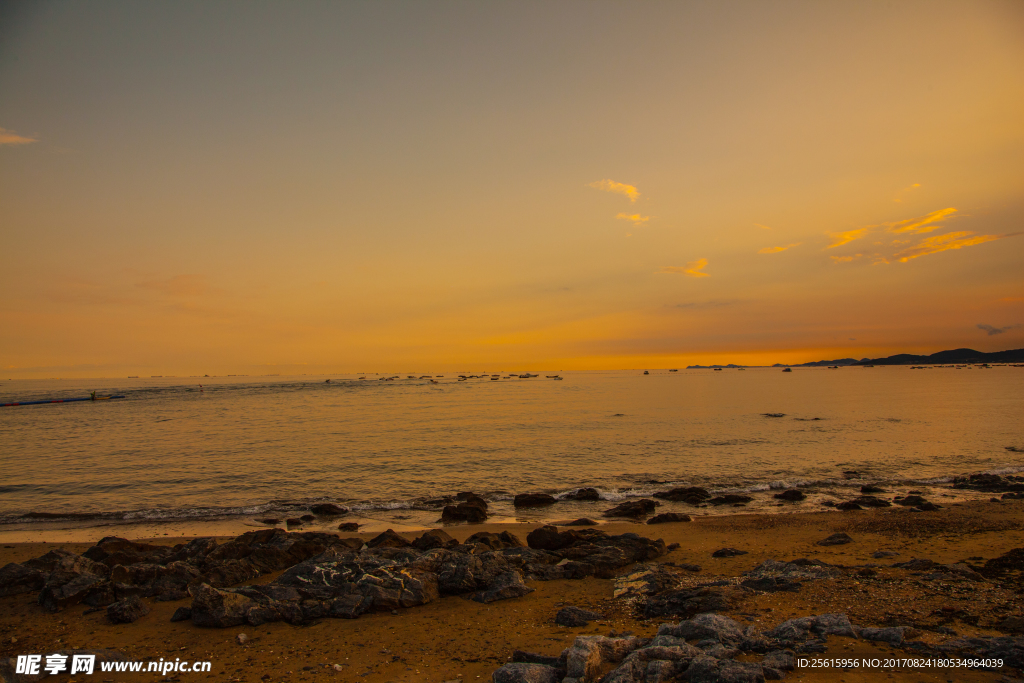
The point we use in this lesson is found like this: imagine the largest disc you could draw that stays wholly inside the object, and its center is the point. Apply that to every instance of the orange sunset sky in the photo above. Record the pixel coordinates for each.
(248, 187)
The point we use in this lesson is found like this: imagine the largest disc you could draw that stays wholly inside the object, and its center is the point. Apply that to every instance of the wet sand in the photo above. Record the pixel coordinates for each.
(455, 638)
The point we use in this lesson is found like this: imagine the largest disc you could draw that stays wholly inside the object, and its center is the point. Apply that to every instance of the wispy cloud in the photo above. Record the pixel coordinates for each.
(937, 243)
(763, 227)
(9, 137)
(635, 218)
(693, 268)
(900, 194)
(776, 250)
(841, 238)
(845, 259)
(179, 285)
(923, 223)
(996, 330)
(618, 188)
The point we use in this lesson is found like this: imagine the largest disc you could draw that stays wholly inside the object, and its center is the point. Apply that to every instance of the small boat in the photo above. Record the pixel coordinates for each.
(646, 373)
(788, 370)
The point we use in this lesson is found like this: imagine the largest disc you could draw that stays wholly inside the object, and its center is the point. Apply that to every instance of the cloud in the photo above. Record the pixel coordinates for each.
(899, 195)
(841, 238)
(922, 223)
(636, 218)
(9, 137)
(692, 268)
(179, 285)
(776, 250)
(618, 188)
(937, 243)
(845, 259)
(996, 330)
(763, 227)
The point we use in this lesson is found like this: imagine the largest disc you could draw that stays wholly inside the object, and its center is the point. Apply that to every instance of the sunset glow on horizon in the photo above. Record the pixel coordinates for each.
(191, 188)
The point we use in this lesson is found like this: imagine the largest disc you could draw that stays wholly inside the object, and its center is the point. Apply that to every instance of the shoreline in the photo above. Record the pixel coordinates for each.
(455, 638)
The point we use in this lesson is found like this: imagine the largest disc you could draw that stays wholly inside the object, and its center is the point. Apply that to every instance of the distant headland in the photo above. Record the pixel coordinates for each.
(950, 357)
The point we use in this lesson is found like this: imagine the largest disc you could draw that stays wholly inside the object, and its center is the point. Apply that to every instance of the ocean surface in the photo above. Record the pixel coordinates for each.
(245, 448)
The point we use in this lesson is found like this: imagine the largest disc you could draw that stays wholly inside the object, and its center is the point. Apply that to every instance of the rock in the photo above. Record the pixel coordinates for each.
(16, 578)
(669, 517)
(293, 521)
(435, 538)
(916, 565)
(687, 603)
(870, 488)
(989, 483)
(791, 571)
(73, 578)
(634, 509)
(583, 494)
(582, 521)
(505, 539)
(272, 521)
(388, 539)
(730, 499)
(791, 495)
(892, 635)
(242, 638)
(113, 550)
(505, 586)
(219, 609)
(926, 507)
(348, 526)
(728, 552)
(782, 660)
(694, 495)
(128, 610)
(182, 614)
(548, 537)
(328, 510)
(351, 543)
(705, 626)
(1012, 624)
(527, 500)
(518, 672)
(879, 554)
(308, 518)
(534, 658)
(848, 505)
(574, 616)
(771, 584)
(871, 502)
(836, 539)
(910, 501)
(473, 510)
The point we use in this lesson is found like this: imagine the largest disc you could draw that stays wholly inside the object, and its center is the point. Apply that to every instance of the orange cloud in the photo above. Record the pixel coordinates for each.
(841, 238)
(179, 285)
(636, 218)
(618, 188)
(905, 190)
(776, 250)
(922, 224)
(763, 227)
(952, 240)
(9, 137)
(693, 268)
(845, 259)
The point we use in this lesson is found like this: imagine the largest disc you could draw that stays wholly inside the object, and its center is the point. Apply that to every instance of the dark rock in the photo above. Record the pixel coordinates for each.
(926, 507)
(182, 614)
(328, 510)
(687, 603)
(526, 500)
(989, 483)
(73, 578)
(272, 521)
(848, 505)
(870, 488)
(113, 550)
(548, 537)
(473, 510)
(669, 517)
(583, 494)
(534, 658)
(17, 578)
(892, 635)
(574, 616)
(348, 526)
(350, 543)
(871, 502)
(505, 586)
(293, 521)
(688, 567)
(694, 495)
(308, 518)
(435, 538)
(219, 609)
(771, 584)
(128, 610)
(728, 552)
(388, 539)
(836, 539)
(782, 660)
(916, 565)
(879, 554)
(791, 495)
(910, 501)
(505, 539)
(634, 509)
(1012, 624)
(582, 521)
(519, 672)
(730, 499)
(714, 626)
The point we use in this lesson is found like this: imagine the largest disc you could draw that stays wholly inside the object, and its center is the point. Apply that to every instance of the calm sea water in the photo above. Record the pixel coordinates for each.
(260, 445)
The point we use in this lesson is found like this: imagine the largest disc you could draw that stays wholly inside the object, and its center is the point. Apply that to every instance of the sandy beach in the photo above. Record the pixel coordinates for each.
(455, 638)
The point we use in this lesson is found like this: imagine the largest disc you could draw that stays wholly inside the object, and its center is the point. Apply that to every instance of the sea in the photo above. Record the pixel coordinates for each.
(236, 450)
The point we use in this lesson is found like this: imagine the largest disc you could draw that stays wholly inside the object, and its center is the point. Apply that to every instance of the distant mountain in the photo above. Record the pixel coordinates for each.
(709, 367)
(823, 363)
(953, 356)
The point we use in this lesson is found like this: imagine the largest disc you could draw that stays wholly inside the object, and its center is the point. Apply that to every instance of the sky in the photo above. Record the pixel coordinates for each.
(267, 187)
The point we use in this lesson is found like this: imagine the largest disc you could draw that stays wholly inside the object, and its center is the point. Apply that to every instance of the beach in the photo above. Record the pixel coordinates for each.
(455, 638)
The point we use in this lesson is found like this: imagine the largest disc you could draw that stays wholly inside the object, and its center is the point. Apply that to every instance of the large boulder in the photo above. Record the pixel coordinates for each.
(583, 494)
(388, 539)
(435, 538)
(113, 550)
(505, 539)
(528, 500)
(504, 586)
(219, 609)
(471, 510)
(793, 495)
(666, 517)
(694, 495)
(575, 616)
(328, 510)
(128, 610)
(520, 672)
(72, 580)
(17, 578)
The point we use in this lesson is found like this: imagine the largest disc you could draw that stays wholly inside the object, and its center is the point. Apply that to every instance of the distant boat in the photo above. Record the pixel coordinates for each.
(788, 370)
(718, 369)
(673, 370)
(646, 373)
